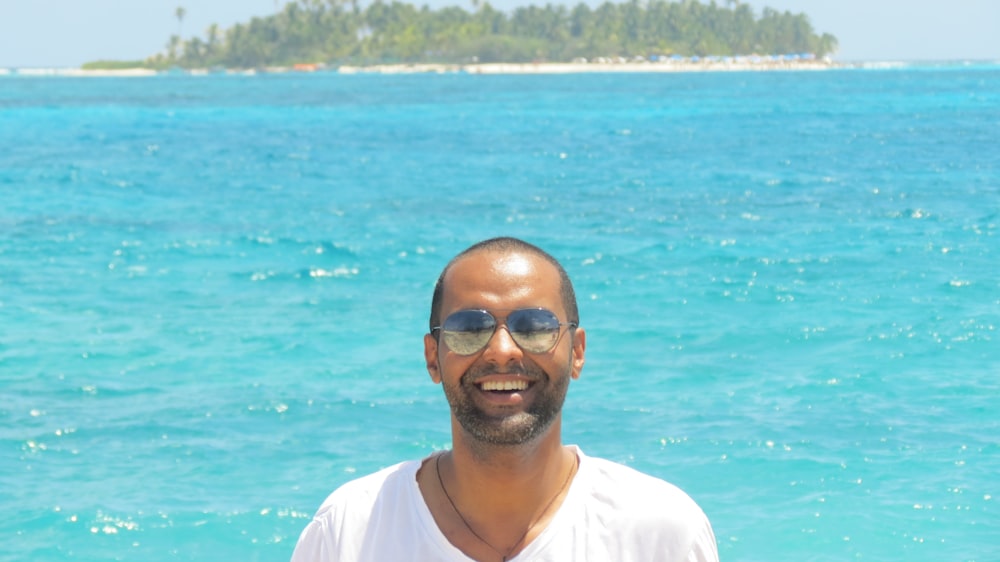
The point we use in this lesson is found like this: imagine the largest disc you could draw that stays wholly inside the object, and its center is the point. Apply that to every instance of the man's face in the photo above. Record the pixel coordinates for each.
(537, 382)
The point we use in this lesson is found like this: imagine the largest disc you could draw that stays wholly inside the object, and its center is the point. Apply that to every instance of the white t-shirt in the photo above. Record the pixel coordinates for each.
(611, 513)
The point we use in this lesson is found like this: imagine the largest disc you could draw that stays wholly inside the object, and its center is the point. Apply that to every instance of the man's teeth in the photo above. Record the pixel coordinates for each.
(504, 385)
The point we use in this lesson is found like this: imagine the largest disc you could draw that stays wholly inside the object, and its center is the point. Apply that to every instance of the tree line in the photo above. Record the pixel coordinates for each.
(343, 32)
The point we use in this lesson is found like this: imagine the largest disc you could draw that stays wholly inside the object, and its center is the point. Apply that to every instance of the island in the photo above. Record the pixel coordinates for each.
(390, 37)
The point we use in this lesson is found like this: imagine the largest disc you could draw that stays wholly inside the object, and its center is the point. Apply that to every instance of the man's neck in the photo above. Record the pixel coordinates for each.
(507, 480)
(504, 498)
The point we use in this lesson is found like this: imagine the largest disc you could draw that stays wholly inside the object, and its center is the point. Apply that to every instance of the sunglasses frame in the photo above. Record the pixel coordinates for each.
(514, 335)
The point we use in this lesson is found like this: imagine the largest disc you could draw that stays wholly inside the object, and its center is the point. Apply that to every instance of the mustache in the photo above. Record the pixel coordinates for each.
(475, 373)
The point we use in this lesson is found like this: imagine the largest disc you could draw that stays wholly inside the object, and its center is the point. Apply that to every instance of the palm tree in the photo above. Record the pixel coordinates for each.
(173, 47)
(179, 13)
(213, 40)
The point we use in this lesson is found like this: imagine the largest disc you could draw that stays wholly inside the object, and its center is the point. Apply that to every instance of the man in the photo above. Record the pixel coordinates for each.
(504, 343)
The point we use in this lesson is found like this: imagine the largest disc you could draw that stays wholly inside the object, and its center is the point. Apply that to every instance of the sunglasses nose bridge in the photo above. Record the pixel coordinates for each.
(502, 342)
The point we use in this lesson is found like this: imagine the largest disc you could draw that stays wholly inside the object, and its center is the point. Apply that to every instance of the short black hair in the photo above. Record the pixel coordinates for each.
(507, 244)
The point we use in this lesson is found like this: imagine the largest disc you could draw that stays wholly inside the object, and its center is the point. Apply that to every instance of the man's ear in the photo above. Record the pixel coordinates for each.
(579, 347)
(431, 358)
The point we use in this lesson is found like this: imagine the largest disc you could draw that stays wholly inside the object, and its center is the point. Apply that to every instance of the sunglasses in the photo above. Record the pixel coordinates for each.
(535, 330)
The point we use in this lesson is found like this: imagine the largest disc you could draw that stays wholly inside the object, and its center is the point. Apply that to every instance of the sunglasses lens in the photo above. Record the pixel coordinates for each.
(468, 331)
(536, 330)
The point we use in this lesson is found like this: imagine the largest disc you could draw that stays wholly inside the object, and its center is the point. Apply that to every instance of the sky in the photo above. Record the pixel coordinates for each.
(67, 33)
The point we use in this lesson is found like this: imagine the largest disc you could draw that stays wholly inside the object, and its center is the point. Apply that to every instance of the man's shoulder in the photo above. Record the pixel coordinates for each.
(340, 527)
(641, 513)
(623, 488)
(361, 494)
(626, 478)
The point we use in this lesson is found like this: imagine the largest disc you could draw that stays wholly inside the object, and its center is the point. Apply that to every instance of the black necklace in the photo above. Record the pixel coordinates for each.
(503, 555)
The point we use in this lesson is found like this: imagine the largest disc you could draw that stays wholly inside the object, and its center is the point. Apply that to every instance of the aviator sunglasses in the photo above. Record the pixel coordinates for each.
(535, 330)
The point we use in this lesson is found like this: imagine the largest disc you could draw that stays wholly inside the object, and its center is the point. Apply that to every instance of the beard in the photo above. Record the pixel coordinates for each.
(513, 428)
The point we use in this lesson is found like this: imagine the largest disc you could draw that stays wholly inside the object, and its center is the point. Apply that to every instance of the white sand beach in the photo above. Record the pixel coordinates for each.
(719, 65)
(604, 65)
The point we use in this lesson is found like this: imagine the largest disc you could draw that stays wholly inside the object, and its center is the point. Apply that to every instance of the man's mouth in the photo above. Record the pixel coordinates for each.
(503, 386)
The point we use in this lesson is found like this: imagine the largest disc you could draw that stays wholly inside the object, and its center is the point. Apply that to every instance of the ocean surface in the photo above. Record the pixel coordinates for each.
(213, 292)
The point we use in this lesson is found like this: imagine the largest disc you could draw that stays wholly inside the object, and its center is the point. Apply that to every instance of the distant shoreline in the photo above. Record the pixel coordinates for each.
(590, 67)
(713, 65)
(605, 66)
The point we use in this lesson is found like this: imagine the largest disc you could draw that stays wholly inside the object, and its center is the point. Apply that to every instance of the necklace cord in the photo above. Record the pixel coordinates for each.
(503, 555)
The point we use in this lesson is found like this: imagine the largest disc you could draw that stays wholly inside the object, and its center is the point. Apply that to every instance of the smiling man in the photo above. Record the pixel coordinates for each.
(504, 343)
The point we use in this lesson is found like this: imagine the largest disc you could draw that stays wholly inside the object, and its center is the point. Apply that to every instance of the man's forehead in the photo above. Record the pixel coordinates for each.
(513, 265)
(501, 279)
(502, 264)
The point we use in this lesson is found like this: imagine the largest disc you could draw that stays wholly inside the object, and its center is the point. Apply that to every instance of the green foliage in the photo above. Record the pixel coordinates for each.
(114, 65)
(341, 32)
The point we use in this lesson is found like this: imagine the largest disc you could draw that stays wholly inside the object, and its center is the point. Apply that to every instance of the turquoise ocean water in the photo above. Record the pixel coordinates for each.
(213, 292)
